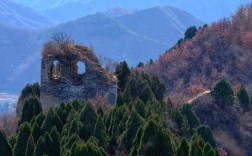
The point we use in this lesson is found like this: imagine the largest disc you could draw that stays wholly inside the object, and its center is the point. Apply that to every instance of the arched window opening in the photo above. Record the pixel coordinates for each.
(56, 70)
(81, 68)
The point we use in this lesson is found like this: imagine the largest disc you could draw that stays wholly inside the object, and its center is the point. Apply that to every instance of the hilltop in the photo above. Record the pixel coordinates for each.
(221, 50)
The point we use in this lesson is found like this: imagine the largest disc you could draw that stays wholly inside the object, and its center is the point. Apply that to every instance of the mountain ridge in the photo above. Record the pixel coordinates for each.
(21, 16)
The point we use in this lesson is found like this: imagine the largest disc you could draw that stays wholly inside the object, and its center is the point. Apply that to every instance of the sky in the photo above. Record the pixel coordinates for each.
(206, 10)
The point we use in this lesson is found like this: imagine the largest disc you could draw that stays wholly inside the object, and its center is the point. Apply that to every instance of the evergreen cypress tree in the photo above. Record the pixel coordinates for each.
(74, 128)
(223, 93)
(57, 122)
(122, 72)
(183, 126)
(55, 139)
(155, 141)
(158, 88)
(210, 153)
(22, 139)
(244, 98)
(88, 118)
(119, 100)
(40, 119)
(190, 32)
(192, 119)
(195, 148)
(136, 142)
(132, 125)
(5, 147)
(207, 148)
(126, 95)
(146, 92)
(30, 147)
(100, 111)
(140, 107)
(183, 149)
(40, 149)
(52, 119)
(206, 134)
(35, 132)
(48, 121)
(12, 140)
(100, 132)
(32, 107)
(49, 144)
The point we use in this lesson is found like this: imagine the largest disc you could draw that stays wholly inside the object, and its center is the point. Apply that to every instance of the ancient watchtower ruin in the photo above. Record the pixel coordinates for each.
(62, 80)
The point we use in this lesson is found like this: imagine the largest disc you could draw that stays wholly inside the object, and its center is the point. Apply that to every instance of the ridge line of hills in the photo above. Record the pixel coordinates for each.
(133, 37)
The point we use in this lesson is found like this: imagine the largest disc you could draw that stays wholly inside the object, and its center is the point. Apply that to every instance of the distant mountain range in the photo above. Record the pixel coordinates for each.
(133, 37)
(21, 16)
(63, 10)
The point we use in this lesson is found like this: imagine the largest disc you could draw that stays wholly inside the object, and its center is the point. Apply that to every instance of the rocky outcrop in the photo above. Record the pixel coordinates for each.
(232, 125)
(61, 81)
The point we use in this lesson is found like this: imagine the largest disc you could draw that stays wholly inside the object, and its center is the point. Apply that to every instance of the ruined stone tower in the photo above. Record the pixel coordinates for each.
(61, 80)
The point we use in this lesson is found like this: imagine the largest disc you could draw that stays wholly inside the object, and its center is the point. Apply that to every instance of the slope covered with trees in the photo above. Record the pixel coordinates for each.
(141, 123)
(222, 50)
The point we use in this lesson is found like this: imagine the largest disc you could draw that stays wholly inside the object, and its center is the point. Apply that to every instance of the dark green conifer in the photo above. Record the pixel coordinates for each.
(206, 134)
(210, 153)
(88, 118)
(30, 147)
(183, 148)
(22, 139)
(140, 107)
(35, 132)
(182, 125)
(40, 119)
(132, 125)
(136, 142)
(155, 141)
(12, 141)
(190, 32)
(122, 73)
(244, 98)
(190, 115)
(40, 149)
(158, 88)
(100, 132)
(207, 148)
(55, 139)
(146, 93)
(49, 144)
(100, 111)
(119, 100)
(76, 105)
(223, 93)
(5, 147)
(195, 148)
(52, 119)
(32, 107)
(74, 128)
(127, 95)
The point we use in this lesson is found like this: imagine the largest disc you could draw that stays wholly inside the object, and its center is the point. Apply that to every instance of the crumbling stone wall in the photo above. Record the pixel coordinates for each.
(69, 85)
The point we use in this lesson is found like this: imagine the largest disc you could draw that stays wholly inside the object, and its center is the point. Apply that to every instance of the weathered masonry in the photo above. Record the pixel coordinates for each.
(70, 72)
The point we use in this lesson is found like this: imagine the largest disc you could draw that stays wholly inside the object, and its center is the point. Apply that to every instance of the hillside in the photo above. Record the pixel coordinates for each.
(222, 50)
(231, 125)
(109, 37)
(21, 16)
